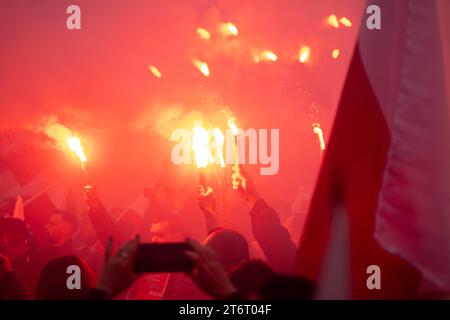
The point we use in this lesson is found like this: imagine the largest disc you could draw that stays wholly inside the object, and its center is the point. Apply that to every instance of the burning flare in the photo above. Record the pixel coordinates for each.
(203, 33)
(200, 141)
(219, 139)
(234, 129)
(229, 29)
(304, 54)
(318, 131)
(75, 145)
(332, 20)
(202, 67)
(155, 71)
(65, 139)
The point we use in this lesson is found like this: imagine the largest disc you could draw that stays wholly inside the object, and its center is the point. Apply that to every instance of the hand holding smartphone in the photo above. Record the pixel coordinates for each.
(163, 257)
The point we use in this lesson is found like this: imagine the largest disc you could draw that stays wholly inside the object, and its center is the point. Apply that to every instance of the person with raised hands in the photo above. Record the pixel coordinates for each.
(272, 237)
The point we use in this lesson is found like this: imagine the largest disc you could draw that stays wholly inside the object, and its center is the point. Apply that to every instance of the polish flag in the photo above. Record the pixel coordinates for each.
(387, 162)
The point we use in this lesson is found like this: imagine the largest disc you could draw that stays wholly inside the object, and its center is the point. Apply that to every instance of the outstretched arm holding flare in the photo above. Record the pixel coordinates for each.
(207, 203)
(101, 221)
(272, 237)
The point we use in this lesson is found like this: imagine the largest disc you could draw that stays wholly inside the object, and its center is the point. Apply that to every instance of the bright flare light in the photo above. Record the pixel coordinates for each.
(155, 71)
(219, 139)
(332, 20)
(345, 21)
(203, 33)
(200, 141)
(75, 145)
(318, 131)
(266, 55)
(304, 54)
(202, 67)
(233, 127)
(336, 53)
(229, 29)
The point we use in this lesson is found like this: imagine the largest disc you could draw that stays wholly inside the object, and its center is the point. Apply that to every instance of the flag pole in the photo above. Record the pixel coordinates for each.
(45, 189)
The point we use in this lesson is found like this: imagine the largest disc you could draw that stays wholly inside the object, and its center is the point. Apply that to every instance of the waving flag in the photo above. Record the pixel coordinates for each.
(388, 160)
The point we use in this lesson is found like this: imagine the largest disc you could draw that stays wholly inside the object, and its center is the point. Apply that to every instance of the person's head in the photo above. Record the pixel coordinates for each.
(249, 276)
(60, 227)
(13, 237)
(54, 280)
(167, 230)
(230, 246)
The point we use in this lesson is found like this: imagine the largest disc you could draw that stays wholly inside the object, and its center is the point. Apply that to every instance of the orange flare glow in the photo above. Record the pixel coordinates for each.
(202, 67)
(304, 54)
(203, 33)
(318, 131)
(65, 139)
(200, 141)
(229, 29)
(75, 145)
(345, 21)
(332, 20)
(233, 127)
(336, 53)
(155, 71)
(219, 140)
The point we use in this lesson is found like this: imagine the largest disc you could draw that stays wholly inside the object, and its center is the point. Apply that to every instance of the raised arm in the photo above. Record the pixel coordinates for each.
(270, 234)
(101, 220)
(207, 203)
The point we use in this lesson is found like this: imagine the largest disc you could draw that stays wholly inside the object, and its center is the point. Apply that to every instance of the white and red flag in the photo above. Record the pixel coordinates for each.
(388, 160)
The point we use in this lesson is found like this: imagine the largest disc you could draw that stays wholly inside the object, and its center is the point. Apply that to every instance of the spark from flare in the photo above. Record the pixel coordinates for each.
(203, 33)
(74, 144)
(265, 55)
(345, 21)
(304, 54)
(235, 131)
(155, 71)
(332, 20)
(336, 53)
(202, 67)
(229, 29)
(318, 131)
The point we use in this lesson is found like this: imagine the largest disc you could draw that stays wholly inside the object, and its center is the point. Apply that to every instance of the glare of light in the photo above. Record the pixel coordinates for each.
(219, 139)
(233, 127)
(203, 33)
(336, 53)
(229, 29)
(200, 141)
(318, 131)
(154, 70)
(304, 54)
(265, 55)
(202, 67)
(332, 20)
(345, 21)
(75, 145)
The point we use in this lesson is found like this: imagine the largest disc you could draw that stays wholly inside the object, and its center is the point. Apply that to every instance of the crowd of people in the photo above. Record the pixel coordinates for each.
(222, 267)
